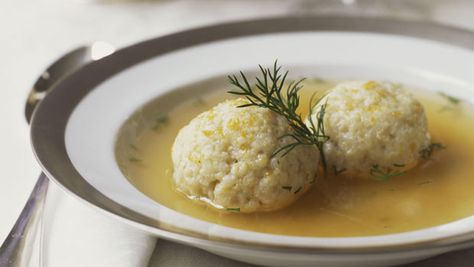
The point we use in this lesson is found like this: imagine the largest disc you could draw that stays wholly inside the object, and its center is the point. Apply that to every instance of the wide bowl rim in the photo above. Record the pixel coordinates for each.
(48, 125)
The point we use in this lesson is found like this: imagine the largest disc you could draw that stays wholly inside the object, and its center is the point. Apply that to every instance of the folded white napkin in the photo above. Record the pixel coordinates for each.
(74, 234)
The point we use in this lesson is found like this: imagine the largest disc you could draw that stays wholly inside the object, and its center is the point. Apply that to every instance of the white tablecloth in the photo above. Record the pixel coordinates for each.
(35, 32)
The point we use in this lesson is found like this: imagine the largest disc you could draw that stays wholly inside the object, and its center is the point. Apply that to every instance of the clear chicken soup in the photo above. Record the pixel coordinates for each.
(438, 191)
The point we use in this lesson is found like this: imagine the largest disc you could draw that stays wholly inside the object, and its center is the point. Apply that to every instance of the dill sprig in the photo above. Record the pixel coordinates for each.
(268, 92)
(377, 172)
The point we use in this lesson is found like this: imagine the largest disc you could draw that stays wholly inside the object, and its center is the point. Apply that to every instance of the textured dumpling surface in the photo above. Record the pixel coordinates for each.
(224, 157)
(372, 124)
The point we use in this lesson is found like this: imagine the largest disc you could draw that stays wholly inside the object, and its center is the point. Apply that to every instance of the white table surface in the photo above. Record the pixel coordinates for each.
(35, 32)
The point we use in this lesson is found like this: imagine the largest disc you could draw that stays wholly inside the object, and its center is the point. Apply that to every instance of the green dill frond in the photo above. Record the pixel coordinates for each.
(379, 174)
(270, 92)
(233, 209)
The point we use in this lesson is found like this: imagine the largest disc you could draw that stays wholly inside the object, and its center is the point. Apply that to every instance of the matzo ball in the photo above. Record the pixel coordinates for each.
(224, 156)
(372, 126)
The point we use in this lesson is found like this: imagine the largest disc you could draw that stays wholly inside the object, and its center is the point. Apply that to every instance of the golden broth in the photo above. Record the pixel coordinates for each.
(439, 191)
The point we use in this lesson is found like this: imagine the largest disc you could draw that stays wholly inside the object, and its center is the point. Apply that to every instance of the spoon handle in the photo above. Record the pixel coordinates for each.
(17, 248)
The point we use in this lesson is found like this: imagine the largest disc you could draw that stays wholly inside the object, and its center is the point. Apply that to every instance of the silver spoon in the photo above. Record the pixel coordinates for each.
(17, 248)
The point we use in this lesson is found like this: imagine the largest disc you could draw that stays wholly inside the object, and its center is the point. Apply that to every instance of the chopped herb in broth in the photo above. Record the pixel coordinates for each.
(436, 192)
(452, 102)
(383, 175)
(159, 122)
(134, 159)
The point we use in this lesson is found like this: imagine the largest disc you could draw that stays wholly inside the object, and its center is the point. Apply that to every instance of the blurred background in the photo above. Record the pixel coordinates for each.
(33, 33)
